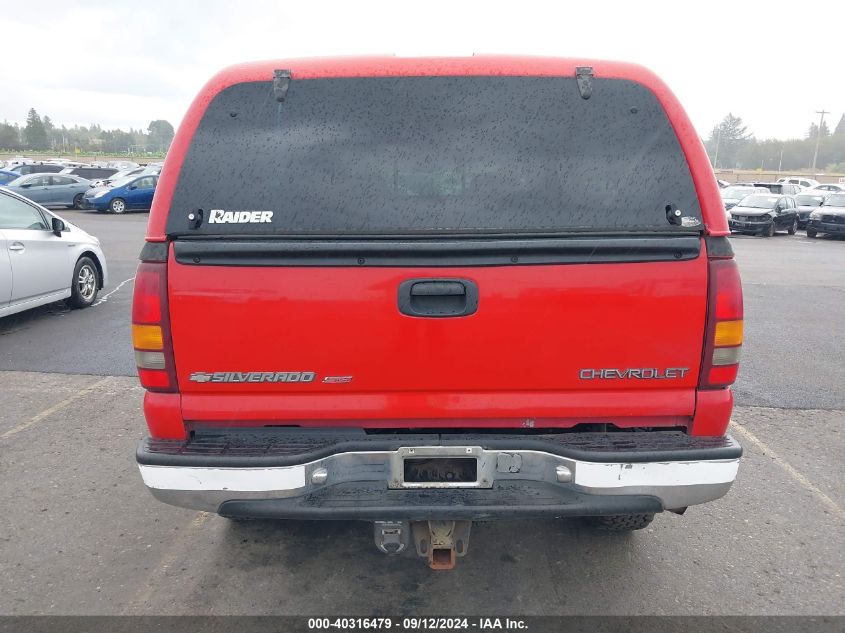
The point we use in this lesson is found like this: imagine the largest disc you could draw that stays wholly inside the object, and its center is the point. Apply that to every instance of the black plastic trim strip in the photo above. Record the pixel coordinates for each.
(466, 252)
(154, 252)
(368, 501)
(300, 446)
(718, 247)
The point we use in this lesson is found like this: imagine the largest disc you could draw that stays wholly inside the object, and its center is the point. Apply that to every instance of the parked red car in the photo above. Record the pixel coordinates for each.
(434, 291)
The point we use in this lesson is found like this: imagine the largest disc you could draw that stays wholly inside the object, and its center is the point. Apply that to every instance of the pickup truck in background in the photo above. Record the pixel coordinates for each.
(435, 291)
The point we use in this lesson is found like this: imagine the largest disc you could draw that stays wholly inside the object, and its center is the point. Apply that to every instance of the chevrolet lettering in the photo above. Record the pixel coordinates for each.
(646, 373)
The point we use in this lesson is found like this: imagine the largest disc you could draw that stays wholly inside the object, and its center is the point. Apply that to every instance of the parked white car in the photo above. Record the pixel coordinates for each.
(801, 181)
(44, 259)
(830, 188)
(121, 165)
(11, 163)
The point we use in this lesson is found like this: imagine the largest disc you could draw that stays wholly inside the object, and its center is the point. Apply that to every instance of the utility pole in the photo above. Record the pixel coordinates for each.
(718, 140)
(780, 162)
(818, 136)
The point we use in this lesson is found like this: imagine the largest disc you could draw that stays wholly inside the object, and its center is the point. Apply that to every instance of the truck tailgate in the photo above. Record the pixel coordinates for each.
(546, 341)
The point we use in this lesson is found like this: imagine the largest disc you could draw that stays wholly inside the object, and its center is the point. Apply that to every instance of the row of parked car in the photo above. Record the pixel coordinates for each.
(790, 204)
(113, 187)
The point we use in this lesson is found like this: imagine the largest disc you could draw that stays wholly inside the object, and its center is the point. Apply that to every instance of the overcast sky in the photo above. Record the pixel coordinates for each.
(123, 64)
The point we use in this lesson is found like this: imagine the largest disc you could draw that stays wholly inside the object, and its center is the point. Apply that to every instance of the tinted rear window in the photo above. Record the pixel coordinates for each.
(418, 155)
(93, 172)
(40, 169)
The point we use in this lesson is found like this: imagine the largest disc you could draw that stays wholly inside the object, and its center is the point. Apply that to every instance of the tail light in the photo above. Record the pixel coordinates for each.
(151, 328)
(723, 337)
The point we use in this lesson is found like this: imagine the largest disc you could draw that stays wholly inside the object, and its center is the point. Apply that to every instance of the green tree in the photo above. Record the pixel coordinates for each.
(797, 154)
(839, 130)
(814, 130)
(34, 134)
(726, 140)
(53, 137)
(161, 134)
(761, 154)
(10, 136)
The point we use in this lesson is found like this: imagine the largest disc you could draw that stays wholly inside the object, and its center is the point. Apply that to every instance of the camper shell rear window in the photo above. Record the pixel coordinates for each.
(433, 155)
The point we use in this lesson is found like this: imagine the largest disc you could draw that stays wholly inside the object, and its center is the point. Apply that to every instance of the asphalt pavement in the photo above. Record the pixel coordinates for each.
(81, 535)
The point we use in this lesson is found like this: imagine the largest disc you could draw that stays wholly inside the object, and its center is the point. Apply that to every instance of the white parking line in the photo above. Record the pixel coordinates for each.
(105, 297)
(797, 476)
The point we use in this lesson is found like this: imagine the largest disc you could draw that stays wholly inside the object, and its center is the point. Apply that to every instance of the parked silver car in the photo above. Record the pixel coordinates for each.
(51, 190)
(801, 181)
(45, 259)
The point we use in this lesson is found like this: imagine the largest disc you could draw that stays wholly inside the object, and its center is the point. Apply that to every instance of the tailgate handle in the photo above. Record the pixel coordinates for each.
(437, 298)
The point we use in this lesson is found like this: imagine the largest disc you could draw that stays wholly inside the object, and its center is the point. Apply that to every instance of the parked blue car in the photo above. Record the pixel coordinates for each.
(51, 190)
(135, 192)
(7, 176)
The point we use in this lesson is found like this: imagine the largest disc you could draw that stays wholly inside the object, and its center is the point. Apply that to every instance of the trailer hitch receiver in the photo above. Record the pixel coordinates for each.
(441, 542)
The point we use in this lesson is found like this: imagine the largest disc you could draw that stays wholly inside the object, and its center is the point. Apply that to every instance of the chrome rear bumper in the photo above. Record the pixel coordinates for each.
(511, 480)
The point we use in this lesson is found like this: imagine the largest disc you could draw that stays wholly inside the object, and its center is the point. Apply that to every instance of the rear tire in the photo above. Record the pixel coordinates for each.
(77, 201)
(791, 230)
(85, 283)
(118, 205)
(620, 522)
(811, 233)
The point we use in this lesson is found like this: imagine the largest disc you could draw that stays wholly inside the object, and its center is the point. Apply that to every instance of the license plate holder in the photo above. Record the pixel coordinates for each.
(440, 467)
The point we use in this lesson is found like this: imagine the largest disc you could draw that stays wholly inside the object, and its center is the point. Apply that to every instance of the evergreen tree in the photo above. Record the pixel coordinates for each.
(10, 137)
(726, 140)
(51, 132)
(34, 134)
(813, 131)
(161, 134)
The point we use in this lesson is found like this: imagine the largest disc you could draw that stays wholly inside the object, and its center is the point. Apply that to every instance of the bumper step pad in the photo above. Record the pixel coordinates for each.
(371, 502)
(287, 446)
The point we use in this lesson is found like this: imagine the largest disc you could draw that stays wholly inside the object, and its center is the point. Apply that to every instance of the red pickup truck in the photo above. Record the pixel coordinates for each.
(422, 292)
